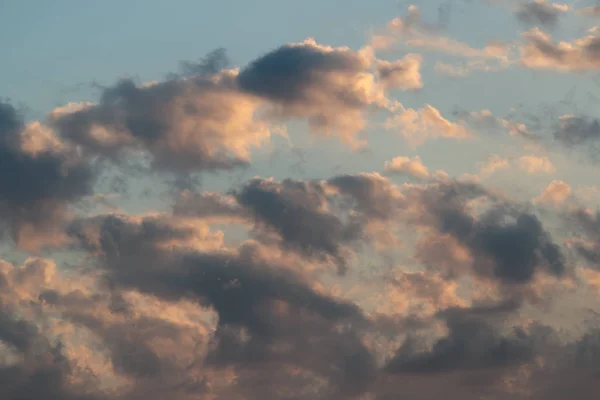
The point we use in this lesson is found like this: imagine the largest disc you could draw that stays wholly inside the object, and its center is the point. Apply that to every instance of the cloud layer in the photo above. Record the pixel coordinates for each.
(454, 253)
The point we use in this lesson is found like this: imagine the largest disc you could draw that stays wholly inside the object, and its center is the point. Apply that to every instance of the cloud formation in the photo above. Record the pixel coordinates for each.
(540, 12)
(381, 278)
(38, 180)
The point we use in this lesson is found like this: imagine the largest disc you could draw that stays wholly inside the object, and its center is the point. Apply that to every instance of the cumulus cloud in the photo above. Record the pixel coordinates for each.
(417, 126)
(266, 314)
(201, 122)
(471, 344)
(401, 74)
(535, 164)
(577, 130)
(556, 194)
(493, 164)
(530, 164)
(330, 87)
(540, 12)
(298, 212)
(445, 288)
(585, 224)
(39, 178)
(505, 243)
(410, 166)
(540, 51)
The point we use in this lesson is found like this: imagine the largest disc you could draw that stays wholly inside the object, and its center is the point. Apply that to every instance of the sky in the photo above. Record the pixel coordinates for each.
(284, 200)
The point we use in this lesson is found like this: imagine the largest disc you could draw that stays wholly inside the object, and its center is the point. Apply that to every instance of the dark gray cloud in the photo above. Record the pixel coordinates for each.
(542, 52)
(539, 12)
(43, 373)
(289, 73)
(329, 87)
(192, 123)
(295, 209)
(246, 293)
(472, 343)
(585, 225)
(578, 131)
(212, 63)
(373, 196)
(36, 186)
(507, 244)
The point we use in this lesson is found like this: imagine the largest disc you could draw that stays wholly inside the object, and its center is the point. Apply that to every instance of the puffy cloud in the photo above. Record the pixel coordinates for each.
(200, 122)
(374, 196)
(530, 164)
(577, 130)
(410, 166)
(267, 315)
(556, 193)
(506, 244)
(536, 164)
(417, 126)
(330, 87)
(493, 164)
(472, 343)
(447, 285)
(39, 178)
(541, 12)
(401, 74)
(586, 225)
(298, 212)
(417, 293)
(540, 51)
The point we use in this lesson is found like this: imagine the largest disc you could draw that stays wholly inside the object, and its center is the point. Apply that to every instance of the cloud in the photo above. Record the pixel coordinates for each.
(556, 194)
(191, 123)
(577, 130)
(530, 164)
(506, 244)
(465, 68)
(267, 314)
(591, 11)
(445, 288)
(209, 206)
(485, 122)
(539, 51)
(410, 166)
(493, 164)
(401, 74)
(417, 126)
(330, 87)
(535, 164)
(471, 344)
(298, 212)
(541, 12)
(39, 178)
(374, 196)
(586, 225)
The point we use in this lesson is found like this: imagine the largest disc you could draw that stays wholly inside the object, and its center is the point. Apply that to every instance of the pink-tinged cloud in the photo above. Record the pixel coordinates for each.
(409, 166)
(401, 74)
(555, 194)
(418, 126)
(540, 51)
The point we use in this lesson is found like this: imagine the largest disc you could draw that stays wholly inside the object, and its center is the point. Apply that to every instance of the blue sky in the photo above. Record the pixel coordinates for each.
(363, 200)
